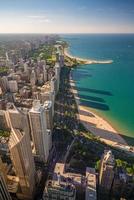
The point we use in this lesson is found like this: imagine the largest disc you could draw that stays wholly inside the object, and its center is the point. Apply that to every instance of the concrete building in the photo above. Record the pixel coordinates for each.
(91, 184)
(61, 60)
(56, 190)
(13, 86)
(60, 187)
(49, 114)
(23, 162)
(39, 130)
(53, 83)
(45, 73)
(33, 78)
(57, 75)
(4, 85)
(4, 194)
(106, 175)
(123, 184)
(17, 118)
(3, 121)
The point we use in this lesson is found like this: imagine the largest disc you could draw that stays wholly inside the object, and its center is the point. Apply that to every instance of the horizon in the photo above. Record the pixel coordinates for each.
(77, 17)
(25, 33)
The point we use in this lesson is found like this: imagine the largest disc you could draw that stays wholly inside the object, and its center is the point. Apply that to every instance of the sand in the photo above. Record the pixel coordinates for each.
(96, 124)
(86, 61)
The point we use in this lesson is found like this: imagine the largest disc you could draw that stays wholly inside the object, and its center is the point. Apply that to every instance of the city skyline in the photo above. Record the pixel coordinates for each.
(67, 17)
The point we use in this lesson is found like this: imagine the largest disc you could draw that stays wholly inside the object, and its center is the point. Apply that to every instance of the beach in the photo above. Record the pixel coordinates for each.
(96, 124)
(86, 61)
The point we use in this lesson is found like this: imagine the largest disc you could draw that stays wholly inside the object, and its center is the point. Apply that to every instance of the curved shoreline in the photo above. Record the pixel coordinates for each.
(94, 123)
(86, 61)
(97, 125)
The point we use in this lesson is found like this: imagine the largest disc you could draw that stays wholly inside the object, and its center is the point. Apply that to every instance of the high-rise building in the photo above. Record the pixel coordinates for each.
(91, 184)
(47, 96)
(3, 121)
(49, 114)
(61, 60)
(45, 73)
(4, 85)
(4, 194)
(17, 118)
(106, 175)
(23, 162)
(39, 130)
(13, 86)
(57, 74)
(54, 85)
(33, 78)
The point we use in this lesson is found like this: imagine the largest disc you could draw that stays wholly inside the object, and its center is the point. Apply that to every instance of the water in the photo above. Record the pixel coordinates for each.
(107, 88)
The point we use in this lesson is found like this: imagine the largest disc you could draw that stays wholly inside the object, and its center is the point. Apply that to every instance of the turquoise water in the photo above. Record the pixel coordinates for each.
(106, 88)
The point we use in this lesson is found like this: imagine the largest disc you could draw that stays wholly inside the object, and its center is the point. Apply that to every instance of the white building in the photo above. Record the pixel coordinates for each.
(39, 130)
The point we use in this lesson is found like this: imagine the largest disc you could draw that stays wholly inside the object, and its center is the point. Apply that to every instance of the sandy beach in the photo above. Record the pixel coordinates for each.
(96, 124)
(86, 61)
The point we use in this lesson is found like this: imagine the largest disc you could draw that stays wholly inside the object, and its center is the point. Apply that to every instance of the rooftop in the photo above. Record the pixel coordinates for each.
(91, 184)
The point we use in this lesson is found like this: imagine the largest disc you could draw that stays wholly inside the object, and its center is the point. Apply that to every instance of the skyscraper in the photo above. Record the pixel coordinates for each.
(106, 171)
(39, 130)
(3, 121)
(17, 118)
(48, 114)
(4, 194)
(13, 86)
(33, 78)
(23, 162)
(57, 74)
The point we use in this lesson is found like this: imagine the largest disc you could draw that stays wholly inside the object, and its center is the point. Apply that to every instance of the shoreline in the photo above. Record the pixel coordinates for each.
(86, 61)
(96, 124)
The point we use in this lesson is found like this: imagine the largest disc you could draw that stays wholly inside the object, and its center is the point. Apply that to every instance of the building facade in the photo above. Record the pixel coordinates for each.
(23, 162)
(106, 175)
(39, 134)
(4, 194)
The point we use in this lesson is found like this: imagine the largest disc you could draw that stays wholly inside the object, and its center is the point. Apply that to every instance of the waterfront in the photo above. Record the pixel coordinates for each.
(107, 89)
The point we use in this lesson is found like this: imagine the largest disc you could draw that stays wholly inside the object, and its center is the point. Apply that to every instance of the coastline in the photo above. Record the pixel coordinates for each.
(86, 61)
(96, 124)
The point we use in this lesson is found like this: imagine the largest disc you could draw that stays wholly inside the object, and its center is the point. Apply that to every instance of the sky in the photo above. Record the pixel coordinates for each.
(66, 16)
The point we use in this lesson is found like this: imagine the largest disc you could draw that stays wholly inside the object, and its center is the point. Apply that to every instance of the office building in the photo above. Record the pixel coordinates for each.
(49, 114)
(4, 194)
(106, 175)
(91, 193)
(61, 60)
(4, 85)
(13, 86)
(17, 118)
(45, 73)
(33, 78)
(3, 121)
(39, 130)
(23, 162)
(57, 75)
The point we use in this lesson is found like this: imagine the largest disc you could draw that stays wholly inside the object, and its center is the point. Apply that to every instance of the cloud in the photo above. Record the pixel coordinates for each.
(37, 16)
(44, 21)
(39, 19)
